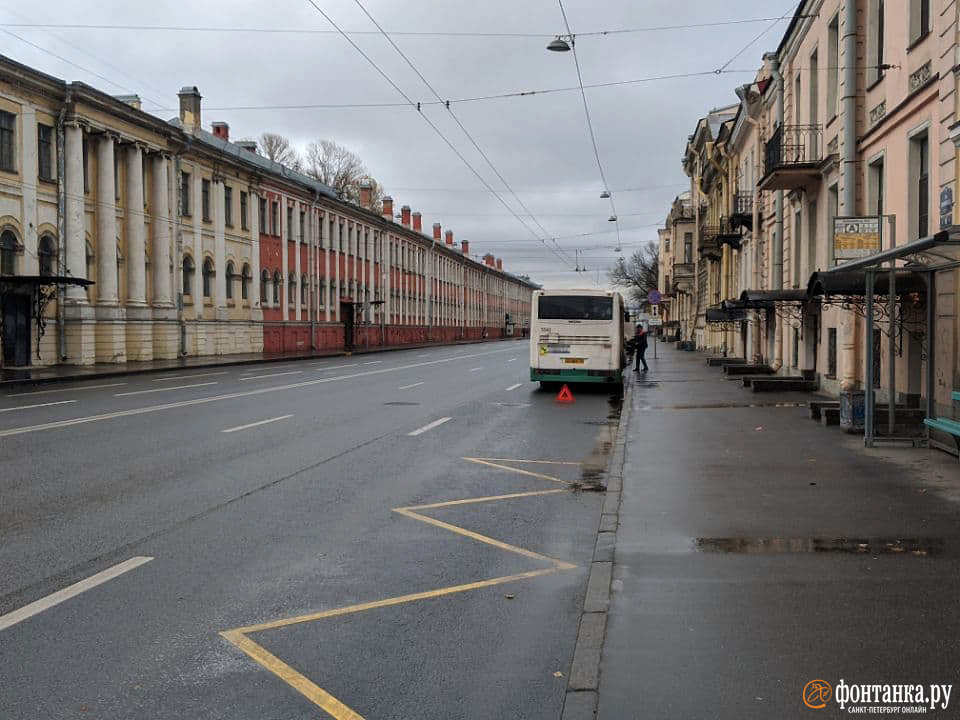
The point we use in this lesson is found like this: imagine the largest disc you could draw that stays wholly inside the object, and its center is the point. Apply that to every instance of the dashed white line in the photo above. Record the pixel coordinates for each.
(164, 389)
(337, 367)
(38, 606)
(513, 387)
(28, 407)
(187, 377)
(407, 387)
(220, 398)
(429, 426)
(66, 389)
(475, 369)
(512, 360)
(372, 362)
(255, 424)
(270, 375)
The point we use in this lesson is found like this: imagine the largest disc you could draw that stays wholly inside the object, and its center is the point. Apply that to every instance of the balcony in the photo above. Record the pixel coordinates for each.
(714, 237)
(742, 211)
(792, 158)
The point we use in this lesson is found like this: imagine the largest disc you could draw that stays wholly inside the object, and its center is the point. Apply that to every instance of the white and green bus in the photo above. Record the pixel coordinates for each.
(576, 336)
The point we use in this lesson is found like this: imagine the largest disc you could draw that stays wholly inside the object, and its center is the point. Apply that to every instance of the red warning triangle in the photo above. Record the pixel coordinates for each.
(565, 396)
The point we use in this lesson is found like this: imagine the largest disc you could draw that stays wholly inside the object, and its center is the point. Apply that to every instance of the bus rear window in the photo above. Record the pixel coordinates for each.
(574, 307)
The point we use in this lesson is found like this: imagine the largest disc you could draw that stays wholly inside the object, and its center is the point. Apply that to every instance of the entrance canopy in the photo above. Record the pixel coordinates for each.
(854, 283)
(761, 299)
(28, 282)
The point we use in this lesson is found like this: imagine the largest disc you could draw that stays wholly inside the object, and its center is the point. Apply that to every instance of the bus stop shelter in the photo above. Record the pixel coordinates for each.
(894, 273)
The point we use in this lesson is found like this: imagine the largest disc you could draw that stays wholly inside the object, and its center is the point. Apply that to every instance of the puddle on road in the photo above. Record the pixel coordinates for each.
(918, 547)
(594, 468)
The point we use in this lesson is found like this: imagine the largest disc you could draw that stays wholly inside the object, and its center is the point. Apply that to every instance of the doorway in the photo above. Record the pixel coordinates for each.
(347, 316)
(16, 330)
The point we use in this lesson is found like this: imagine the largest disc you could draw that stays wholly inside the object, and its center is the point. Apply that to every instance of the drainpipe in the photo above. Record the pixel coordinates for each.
(848, 170)
(178, 262)
(777, 250)
(61, 224)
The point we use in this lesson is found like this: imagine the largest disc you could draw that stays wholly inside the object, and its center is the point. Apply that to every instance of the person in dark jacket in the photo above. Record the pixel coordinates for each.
(639, 345)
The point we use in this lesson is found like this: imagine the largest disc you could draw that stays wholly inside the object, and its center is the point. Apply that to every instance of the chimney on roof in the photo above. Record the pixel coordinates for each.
(449, 236)
(405, 216)
(499, 264)
(190, 106)
(489, 260)
(249, 145)
(366, 194)
(465, 247)
(437, 232)
(417, 222)
(131, 100)
(388, 208)
(221, 130)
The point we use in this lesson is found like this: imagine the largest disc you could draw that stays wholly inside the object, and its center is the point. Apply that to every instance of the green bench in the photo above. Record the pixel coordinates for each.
(946, 425)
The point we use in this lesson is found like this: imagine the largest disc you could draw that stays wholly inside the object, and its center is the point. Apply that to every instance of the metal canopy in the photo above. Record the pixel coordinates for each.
(35, 280)
(854, 282)
(720, 314)
(765, 298)
(934, 252)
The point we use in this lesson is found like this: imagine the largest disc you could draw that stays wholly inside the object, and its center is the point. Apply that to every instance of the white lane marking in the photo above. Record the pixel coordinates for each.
(475, 369)
(429, 426)
(407, 387)
(423, 355)
(187, 377)
(261, 377)
(337, 367)
(255, 424)
(38, 606)
(65, 389)
(28, 407)
(229, 396)
(373, 362)
(513, 387)
(512, 360)
(164, 389)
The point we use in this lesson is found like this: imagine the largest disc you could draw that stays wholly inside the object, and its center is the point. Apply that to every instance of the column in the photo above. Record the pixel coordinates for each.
(337, 244)
(78, 315)
(284, 262)
(219, 245)
(135, 229)
(139, 316)
(297, 269)
(253, 203)
(328, 275)
(160, 227)
(106, 223)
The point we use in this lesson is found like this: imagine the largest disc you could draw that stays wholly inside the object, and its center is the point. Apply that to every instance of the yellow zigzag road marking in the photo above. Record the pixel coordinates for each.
(239, 637)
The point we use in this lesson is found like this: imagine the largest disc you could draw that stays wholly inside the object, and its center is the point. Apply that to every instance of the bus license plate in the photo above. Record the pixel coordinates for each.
(574, 361)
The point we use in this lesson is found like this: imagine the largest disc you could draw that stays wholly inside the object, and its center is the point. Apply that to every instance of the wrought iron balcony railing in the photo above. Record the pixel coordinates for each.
(793, 145)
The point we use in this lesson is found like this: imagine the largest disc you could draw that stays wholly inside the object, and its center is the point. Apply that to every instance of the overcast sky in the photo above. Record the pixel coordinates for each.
(539, 144)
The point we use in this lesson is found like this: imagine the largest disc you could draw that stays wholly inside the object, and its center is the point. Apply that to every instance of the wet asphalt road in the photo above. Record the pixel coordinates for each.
(289, 518)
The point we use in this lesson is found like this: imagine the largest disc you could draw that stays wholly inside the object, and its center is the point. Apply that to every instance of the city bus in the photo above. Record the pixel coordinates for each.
(577, 336)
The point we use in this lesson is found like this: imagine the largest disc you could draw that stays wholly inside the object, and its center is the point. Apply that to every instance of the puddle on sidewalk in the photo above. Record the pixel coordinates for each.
(918, 547)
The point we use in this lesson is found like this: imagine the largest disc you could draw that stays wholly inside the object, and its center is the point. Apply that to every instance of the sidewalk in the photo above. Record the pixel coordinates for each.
(757, 551)
(63, 373)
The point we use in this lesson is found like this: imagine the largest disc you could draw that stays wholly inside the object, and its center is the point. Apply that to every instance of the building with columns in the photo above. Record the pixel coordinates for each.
(124, 237)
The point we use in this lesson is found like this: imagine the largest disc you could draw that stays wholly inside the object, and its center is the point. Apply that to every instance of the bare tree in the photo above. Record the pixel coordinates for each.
(278, 148)
(341, 169)
(640, 274)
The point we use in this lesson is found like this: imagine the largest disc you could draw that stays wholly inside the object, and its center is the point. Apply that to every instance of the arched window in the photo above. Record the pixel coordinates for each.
(264, 283)
(291, 288)
(47, 253)
(277, 282)
(246, 275)
(208, 275)
(8, 253)
(188, 270)
(228, 279)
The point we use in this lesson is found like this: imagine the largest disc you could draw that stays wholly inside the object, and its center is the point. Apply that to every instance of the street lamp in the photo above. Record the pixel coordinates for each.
(612, 218)
(563, 43)
(604, 195)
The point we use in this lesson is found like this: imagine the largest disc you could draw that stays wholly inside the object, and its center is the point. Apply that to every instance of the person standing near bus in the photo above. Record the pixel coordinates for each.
(639, 343)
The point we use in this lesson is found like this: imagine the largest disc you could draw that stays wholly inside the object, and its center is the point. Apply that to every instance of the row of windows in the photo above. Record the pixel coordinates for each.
(208, 275)
(9, 248)
(8, 146)
(205, 212)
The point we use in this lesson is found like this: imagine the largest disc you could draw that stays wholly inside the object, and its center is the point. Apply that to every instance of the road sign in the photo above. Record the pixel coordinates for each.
(654, 311)
(655, 322)
(654, 297)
